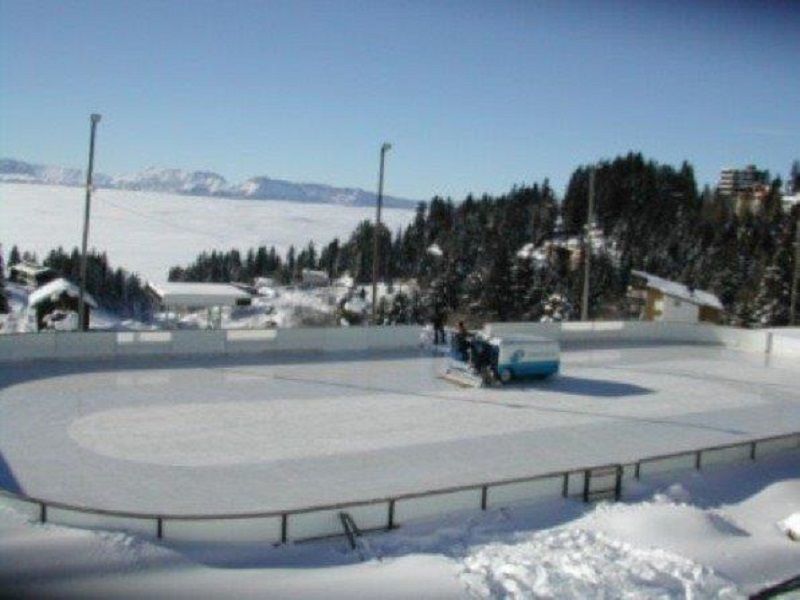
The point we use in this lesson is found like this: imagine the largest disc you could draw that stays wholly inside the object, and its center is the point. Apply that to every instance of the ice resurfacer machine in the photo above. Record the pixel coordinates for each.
(477, 359)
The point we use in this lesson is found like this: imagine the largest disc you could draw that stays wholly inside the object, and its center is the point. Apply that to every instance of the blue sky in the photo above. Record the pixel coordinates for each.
(474, 96)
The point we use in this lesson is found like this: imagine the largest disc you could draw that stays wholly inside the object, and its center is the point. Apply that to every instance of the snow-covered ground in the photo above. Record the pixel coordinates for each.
(213, 435)
(148, 232)
(719, 534)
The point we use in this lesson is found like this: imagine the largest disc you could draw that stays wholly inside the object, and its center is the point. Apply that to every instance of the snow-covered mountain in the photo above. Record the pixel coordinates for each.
(197, 183)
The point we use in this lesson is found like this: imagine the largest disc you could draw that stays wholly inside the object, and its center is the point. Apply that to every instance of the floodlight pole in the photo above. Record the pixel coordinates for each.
(375, 236)
(587, 250)
(796, 278)
(82, 324)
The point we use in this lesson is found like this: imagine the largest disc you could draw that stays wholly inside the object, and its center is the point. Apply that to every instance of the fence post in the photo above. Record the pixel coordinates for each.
(43, 513)
(159, 527)
(587, 476)
(284, 528)
(637, 470)
(752, 450)
(697, 459)
(618, 484)
(390, 523)
(565, 485)
(484, 494)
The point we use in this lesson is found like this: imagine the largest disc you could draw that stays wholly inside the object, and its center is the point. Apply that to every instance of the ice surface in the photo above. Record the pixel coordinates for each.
(236, 435)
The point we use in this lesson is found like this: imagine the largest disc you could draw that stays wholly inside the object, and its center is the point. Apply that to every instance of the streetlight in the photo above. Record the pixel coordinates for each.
(375, 245)
(796, 276)
(588, 250)
(82, 324)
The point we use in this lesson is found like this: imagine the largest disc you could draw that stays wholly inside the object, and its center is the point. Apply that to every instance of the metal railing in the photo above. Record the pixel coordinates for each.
(587, 483)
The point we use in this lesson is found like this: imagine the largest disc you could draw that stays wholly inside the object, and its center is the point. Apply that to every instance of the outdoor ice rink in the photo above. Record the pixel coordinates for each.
(208, 435)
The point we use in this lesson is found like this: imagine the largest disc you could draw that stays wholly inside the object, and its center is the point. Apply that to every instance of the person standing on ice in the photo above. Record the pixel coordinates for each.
(461, 341)
(438, 324)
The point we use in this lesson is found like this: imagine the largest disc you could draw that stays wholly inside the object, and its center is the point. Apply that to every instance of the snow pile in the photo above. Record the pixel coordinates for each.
(791, 526)
(724, 545)
(574, 563)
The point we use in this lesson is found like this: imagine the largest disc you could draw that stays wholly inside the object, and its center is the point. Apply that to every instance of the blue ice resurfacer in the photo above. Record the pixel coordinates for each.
(479, 360)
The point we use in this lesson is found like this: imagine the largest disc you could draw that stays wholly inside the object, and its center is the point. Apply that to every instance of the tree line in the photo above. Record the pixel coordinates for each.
(655, 214)
(115, 289)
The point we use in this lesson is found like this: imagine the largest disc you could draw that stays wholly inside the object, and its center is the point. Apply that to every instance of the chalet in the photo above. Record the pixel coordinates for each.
(59, 294)
(311, 278)
(182, 297)
(30, 274)
(652, 298)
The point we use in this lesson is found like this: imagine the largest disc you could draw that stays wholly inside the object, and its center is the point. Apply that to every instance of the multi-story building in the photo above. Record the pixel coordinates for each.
(735, 181)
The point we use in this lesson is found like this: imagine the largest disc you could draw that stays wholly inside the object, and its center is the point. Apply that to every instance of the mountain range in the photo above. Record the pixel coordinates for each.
(197, 183)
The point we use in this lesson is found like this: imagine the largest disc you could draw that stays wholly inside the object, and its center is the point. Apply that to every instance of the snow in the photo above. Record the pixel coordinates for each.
(205, 183)
(680, 291)
(791, 525)
(197, 294)
(215, 433)
(56, 288)
(713, 535)
(162, 230)
(435, 250)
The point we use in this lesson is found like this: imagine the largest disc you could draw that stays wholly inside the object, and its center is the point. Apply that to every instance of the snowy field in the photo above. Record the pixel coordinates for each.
(721, 533)
(149, 232)
(223, 435)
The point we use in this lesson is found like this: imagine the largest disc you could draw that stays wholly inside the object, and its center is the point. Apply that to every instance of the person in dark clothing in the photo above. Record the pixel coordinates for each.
(461, 341)
(438, 325)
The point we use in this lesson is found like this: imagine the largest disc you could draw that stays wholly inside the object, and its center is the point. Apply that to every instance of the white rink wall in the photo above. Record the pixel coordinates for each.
(109, 345)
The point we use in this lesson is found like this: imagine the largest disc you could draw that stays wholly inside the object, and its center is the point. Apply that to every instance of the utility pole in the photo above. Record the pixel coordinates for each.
(82, 324)
(587, 250)
(796, 278)
(376, 235)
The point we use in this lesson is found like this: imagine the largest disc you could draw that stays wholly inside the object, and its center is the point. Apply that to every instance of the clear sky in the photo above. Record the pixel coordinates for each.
(474, 96)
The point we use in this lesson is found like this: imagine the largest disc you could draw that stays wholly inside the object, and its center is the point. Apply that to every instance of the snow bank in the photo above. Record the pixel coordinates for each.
(575, 563)
(723, 545)
(791, 526)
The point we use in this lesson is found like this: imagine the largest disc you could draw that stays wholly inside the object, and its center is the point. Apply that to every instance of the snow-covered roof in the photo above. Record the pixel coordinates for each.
(198, 294)
(29, 268)
(56, 288)
(435, 250)
(680, 291)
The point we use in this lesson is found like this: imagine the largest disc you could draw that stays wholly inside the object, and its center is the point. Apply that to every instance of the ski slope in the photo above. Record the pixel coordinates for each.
(234, 435)
(149, 232)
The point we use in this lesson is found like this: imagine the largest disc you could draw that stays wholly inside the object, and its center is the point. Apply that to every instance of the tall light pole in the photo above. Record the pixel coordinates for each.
(796, 278)
(587, 250)
(82, 324)
(376, 234)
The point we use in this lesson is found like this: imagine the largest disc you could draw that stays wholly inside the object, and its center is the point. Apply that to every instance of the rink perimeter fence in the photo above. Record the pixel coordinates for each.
(600, 482)
(313, 522)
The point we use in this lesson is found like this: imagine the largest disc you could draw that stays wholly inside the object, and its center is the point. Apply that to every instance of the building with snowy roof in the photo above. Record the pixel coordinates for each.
(653, 298)
(178, 298)
(197, 295)
(31, 274)
(59, 294)
(313, 278)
